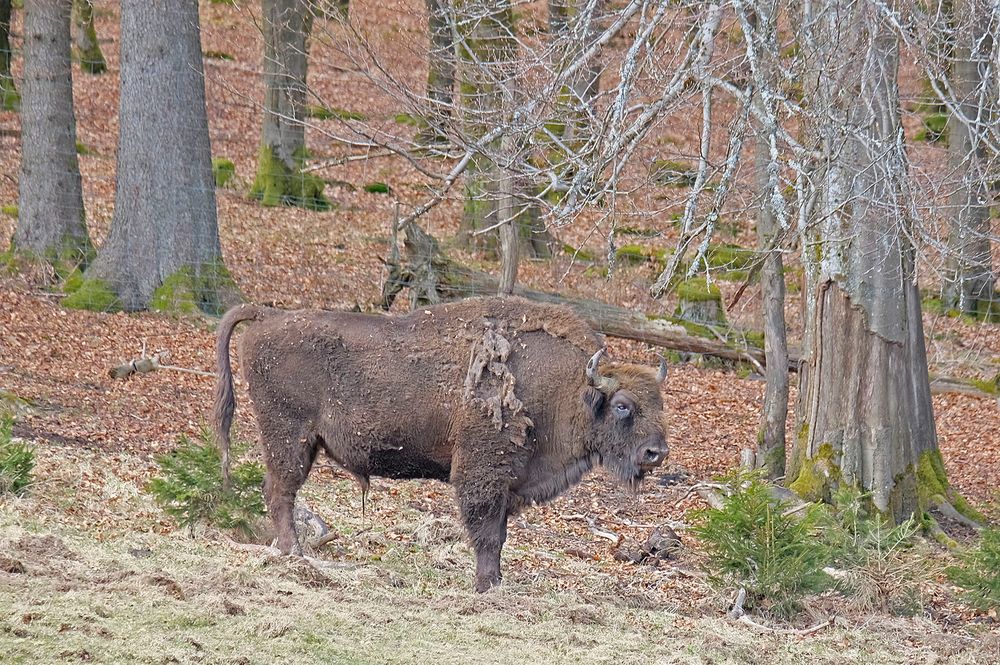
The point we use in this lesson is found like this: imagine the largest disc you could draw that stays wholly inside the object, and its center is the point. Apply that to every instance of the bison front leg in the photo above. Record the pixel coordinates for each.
(486, 524)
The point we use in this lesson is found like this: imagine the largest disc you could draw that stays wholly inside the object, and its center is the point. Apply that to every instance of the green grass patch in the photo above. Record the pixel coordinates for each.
(978, 571)
(17, 459)
(9, 209)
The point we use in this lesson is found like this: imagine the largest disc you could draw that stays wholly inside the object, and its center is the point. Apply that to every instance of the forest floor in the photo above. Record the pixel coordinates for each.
(92, 570)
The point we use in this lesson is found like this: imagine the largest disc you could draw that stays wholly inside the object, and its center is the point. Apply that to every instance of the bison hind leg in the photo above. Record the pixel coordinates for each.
(289, 458)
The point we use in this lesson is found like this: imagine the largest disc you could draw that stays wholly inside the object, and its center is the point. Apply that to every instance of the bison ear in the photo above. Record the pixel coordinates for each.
(594, 399)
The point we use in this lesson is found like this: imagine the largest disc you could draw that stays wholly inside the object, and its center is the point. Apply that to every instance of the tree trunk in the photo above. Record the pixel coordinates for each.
(968, 279)
(574, 29)
(487, 51)
(280, 180)
(509, 244)
(771, 439)
(441, 61)
(88, 50)
(51, 221)
(868, 418)
(9, 99)
(163, 248)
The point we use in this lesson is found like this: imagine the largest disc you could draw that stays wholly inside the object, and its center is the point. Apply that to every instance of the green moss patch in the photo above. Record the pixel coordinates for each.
(10, 100)
(187, 291)
(935, 127)
(94, 295)
(223, 170)
(668, 173)
(10, 209)
(177, 295)
(377, 188)
(218, 55)
(83, 149)
(636, 255)
(409, 120)
(816, 475)
(933, 487)
(320, 112)
(730, 257)
(277, 184)
(578, 253)
(698, 289)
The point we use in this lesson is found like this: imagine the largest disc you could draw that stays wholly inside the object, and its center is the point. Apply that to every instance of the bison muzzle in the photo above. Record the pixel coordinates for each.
(503, 398)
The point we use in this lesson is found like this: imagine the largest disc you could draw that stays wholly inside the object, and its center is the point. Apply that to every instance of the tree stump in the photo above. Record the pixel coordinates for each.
(700, 302)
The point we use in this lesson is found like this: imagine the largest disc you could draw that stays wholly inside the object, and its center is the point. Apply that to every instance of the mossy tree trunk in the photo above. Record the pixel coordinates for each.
(9, 99)
(88, 50)
(163, 248)
(441, 62)
(487, 57)
(51, 224)
(968, 279)
(487, 51)
(868, 418)
(280, 180)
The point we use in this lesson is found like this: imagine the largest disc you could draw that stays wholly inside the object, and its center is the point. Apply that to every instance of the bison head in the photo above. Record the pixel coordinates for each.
(627, 431)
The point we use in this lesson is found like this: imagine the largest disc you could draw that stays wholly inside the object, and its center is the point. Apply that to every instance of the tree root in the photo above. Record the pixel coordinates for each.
(945, 507)
(737, 613)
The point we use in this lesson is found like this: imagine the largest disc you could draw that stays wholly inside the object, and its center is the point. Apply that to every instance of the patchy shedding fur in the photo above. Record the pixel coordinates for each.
(488, 394)
(494, 393)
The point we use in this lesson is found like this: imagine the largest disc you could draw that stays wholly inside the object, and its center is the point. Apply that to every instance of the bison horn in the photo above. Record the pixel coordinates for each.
(594, 378)
(661, 376)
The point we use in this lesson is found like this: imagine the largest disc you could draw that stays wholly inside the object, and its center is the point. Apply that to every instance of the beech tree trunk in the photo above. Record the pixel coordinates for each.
(771, 437)
(487, 57)
(88, 50)
(441, 62)
(163, 248)
(487, 51)
(574, 29)
(9, 99)
(51, 222)
(868, 418)
(968, 279)
(280, 180)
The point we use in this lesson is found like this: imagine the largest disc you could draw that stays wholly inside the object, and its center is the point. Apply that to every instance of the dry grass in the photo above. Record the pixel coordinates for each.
(104, 580)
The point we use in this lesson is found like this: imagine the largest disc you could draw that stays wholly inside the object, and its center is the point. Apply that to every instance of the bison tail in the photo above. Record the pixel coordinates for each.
(225, 398)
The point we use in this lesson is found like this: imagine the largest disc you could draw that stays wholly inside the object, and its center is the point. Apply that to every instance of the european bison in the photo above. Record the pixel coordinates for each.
(501, 397)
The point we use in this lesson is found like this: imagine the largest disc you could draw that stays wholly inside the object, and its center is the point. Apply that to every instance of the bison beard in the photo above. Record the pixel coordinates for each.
(503, 398)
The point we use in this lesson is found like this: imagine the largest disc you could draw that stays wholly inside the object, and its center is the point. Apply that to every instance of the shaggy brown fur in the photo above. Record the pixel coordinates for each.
(488, 394)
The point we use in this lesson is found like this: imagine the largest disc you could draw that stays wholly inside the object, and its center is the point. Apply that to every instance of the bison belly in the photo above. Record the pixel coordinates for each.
(404, 463)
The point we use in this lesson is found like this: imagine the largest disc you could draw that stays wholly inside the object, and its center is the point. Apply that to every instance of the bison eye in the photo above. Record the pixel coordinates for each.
(622, 411)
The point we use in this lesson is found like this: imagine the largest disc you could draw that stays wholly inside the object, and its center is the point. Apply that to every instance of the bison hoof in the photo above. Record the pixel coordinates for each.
(485, 583)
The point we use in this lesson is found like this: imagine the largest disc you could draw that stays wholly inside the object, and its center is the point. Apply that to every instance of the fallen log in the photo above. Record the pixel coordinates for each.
(432, 277)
